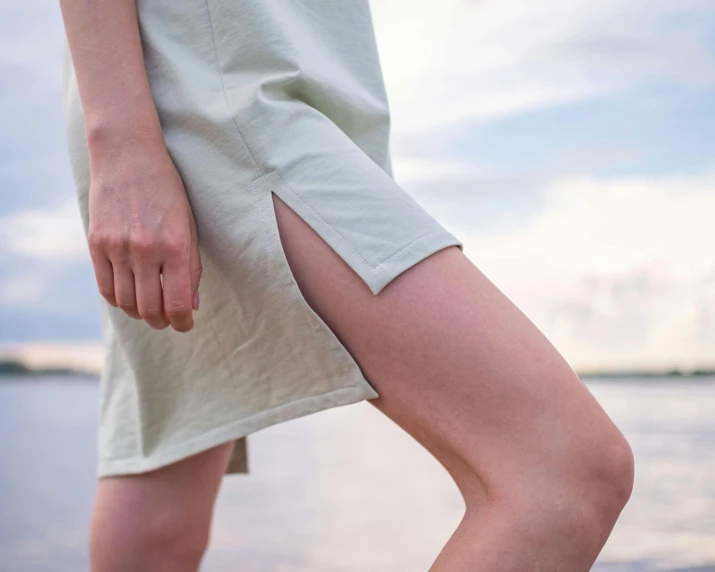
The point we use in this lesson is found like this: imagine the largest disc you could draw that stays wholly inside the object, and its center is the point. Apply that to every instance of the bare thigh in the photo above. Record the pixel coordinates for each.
(456, 364)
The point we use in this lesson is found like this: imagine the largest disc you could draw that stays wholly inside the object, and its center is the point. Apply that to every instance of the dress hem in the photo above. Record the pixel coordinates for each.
(236, 430)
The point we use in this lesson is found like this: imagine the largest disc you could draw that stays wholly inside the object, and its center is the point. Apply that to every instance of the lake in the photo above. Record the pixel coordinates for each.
(346, 490)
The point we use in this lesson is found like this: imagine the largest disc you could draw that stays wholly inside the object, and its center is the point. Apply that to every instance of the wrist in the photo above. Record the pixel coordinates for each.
(109, 131)
(109, 136)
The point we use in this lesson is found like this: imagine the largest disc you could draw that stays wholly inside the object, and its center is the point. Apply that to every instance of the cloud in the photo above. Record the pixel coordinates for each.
(645, 317)
(31, 34)
(453, 62)
(31, 43)
(46, 235)
(22, 289)
(46, 267)
(614, 224)
(616, 272)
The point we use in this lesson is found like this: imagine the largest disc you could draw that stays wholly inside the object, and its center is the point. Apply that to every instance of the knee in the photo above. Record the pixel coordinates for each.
(599, 490)
(571, 499)
(608, 479)
(587, 493)
(161, 540)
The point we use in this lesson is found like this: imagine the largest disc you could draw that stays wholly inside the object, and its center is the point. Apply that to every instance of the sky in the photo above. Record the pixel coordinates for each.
(570, 144)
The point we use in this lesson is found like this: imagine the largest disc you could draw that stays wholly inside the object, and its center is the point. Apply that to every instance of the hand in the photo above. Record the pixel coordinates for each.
(142, 233)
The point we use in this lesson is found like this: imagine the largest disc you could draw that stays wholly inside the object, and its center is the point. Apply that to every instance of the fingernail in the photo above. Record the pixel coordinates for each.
(196, 300)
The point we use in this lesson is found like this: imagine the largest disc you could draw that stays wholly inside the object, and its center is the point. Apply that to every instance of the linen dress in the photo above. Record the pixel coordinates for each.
(255, 97)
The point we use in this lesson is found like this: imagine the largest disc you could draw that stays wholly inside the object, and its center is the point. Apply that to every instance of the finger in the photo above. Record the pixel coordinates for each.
(124, 290)
(177, 292)
(195, 269)
(105, 278)
(150, 299)
(163, 305)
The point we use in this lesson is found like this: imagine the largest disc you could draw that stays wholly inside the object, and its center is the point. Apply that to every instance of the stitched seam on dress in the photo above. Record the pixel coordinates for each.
(306, 310)
(277, 408)
(245, 143)
(223, 91)
(138, 462)
(407, 246)
(345, 240)
(311, 323)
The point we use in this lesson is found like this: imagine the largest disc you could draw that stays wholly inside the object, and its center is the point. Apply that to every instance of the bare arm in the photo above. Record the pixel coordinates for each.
(103, 36)
(141, 228)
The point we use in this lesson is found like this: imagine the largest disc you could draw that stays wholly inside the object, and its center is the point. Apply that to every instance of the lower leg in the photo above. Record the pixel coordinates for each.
(160, 520)
(506, 539)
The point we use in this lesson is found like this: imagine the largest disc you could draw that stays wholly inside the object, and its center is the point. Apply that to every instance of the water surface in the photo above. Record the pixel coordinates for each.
(346, 490)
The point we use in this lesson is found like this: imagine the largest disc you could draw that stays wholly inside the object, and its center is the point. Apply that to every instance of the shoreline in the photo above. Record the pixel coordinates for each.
(19, 369)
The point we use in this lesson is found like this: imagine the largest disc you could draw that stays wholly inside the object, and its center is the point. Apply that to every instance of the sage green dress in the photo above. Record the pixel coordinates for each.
(255, 97)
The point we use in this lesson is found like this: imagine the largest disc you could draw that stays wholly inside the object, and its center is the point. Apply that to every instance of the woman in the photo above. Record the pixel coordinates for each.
(240, 150)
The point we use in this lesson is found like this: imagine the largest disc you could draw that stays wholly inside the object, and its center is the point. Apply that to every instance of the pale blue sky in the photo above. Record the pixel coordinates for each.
(570, 144)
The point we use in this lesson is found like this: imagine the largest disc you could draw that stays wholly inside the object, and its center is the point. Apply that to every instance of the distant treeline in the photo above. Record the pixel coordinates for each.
(647, 374)
(18, 368)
